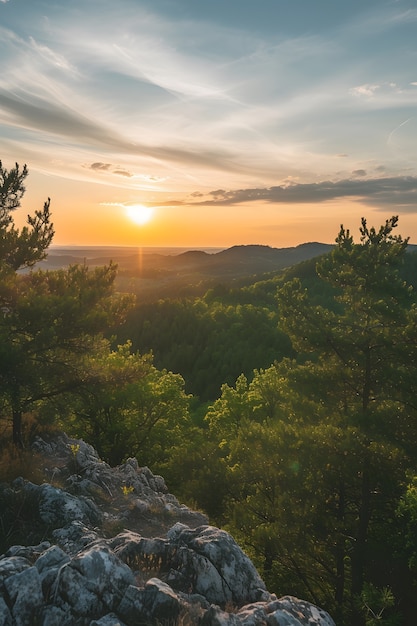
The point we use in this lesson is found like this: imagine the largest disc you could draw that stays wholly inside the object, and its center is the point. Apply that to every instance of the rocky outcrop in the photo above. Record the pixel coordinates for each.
(86, 575)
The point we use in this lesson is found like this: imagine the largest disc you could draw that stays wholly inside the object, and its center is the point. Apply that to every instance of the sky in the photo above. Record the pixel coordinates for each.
(197, 123)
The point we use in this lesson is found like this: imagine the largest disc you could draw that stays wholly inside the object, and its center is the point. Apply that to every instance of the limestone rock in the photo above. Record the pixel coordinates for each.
(75, 537)
(287, 611)
(86, 474)
(93, 582)
(156, 601)
(205, 560)
(300, 612)
(221, 570)
(5, 615)
(11, 565)
(57, 507)
(87, 576)
(24, 592)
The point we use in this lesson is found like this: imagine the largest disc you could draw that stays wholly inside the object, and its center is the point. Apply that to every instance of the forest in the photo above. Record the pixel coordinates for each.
(282, 405)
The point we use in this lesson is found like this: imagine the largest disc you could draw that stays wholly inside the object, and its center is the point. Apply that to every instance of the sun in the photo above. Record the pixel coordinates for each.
(139, 213)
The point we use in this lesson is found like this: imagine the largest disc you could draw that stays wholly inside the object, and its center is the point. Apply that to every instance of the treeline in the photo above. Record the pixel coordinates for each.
(307, 450)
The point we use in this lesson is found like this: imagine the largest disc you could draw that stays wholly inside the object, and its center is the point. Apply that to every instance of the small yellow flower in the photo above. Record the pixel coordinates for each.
(126, 490)
(74, 448)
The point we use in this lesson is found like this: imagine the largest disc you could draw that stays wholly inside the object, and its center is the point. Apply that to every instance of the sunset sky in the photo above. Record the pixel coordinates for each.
(232, 121)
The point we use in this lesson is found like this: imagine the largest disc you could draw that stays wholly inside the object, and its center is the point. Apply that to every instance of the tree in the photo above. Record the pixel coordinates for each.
(364, 334)
(24, 248)
(51, 322)
(360, 362)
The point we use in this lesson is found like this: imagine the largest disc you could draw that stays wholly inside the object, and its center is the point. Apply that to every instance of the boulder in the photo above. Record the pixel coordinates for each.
(93, 582)
(154, 602)
(297, 613)
(74, 537)
(5, 615)
(11, 565)
(211, 561)
(205, 561)
(287, 611)
(24, 593)
(48, 566)
(56, 507)
(86, 474)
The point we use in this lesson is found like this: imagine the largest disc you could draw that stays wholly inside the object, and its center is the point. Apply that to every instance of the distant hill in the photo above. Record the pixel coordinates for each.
(177, 272)
(235, 262)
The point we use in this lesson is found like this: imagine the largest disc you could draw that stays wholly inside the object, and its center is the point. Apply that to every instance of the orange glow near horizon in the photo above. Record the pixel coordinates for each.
(83, 218)
(213, 227)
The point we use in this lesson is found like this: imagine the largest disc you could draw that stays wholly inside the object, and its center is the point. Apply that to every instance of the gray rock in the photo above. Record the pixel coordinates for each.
(75, 537)
(89, 474)
(206, 561)
(107, 620)
(48, 566)
(216, 617)
(287, 611)
(216, 565)
(156, 601)
(141, 553)
(25, 593)
(11, 565)
(5, 615)
(28, 552)
(85, 456)
(57, 507)
(52, 558)
(52, 615)
(253, 614)
(93, 582)
(298, 613)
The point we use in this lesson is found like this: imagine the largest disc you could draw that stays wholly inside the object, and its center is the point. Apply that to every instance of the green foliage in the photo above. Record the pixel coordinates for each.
(197, 472)
(407, 513)
(54, 324)
(209, 341)
(127, 409)
(375, 602)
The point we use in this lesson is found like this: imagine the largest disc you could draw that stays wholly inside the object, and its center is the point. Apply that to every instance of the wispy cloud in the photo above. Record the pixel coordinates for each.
(376, 192)
(26, 111)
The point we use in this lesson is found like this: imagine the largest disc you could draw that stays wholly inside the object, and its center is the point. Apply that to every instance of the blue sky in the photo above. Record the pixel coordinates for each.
(238, 122)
